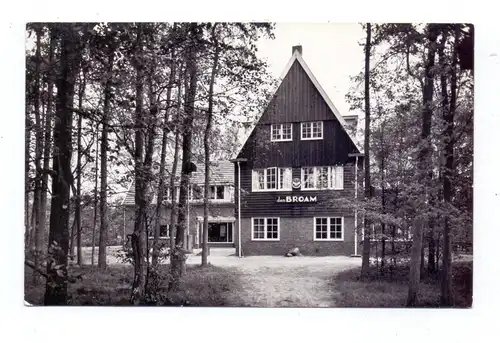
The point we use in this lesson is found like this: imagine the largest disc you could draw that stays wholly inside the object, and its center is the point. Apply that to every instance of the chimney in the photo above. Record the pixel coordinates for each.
(298, 48)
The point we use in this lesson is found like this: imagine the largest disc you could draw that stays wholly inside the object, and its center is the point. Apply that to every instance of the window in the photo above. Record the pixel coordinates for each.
(329, 229)
(308, 178)
(164, 231)
(219, 232)
(322, 178)
(168, 194)
(272, 179)
(311, 130)
(216, 192)
(281, 132)
(265, 229)
(196, 192)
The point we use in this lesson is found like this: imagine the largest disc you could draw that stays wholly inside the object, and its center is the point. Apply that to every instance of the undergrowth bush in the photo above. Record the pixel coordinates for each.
(207, 286)
(390, 290)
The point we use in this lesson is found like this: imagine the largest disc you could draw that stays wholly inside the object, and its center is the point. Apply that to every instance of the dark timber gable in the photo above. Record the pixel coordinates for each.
(296, 100)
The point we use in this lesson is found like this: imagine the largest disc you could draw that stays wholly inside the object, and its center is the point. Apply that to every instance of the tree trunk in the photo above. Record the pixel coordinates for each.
(376, 250)
(414, 276)
(179, 259)
(422, 259)
(446, 282)
(431, 263)
(72, 234)
(148, 159)
(27, 183)
(138, 236)
(38, 250)
(382, 172)
(173, 173)
(206, 143)
(161, 182)
(424, 160)
(438, 251)
(96, 200)
(78, 198)
(103, 230)
(365, 264)
(56, 287)
(393, 250)
(48, 134)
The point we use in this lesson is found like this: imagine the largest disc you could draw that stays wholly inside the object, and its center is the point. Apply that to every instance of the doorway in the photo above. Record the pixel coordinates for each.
(220, 232)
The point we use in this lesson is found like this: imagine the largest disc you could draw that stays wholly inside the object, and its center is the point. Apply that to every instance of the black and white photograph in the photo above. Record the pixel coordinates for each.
(249, 164)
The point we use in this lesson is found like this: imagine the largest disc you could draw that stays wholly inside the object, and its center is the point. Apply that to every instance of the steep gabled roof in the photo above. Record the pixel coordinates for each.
(297, 56)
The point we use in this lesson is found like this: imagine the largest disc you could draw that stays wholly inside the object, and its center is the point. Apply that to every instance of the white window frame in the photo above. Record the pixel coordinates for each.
(215, 199)
(328, 225)
(191, 198)
(280, 129)
(331, 183)
(311, 131)
(265, 229)
(168, 194)
(279, 172)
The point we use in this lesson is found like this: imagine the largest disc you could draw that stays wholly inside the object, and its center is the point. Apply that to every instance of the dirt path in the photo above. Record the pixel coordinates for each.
(276, 281)
(287, 282)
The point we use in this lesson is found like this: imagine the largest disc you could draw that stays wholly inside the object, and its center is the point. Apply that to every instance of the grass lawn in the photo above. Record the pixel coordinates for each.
(380, 291)
(210, 286)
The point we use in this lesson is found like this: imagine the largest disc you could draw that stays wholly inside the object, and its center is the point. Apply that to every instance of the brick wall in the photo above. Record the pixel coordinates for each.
(296, 232)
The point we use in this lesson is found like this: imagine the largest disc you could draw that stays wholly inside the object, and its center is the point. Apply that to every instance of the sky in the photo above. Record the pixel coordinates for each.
(331, 51)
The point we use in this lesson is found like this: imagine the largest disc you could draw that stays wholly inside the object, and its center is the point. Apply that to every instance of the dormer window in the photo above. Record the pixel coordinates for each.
(281, 132)
(311, 130)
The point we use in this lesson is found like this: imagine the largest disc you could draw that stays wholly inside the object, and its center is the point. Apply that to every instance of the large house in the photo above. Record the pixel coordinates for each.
(221, 207)
(297, 173)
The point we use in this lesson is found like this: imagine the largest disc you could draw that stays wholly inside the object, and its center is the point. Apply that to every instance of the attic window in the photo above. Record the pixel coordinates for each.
(311, 130)
(281, 132)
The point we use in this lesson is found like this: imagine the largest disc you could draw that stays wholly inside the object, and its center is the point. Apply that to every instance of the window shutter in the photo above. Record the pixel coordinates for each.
(287, 178)
(339, 177)
(255, 180)
(227, 193)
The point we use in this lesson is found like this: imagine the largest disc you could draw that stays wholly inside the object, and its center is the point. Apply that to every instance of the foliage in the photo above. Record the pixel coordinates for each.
(396, 80)
(132, 82)
(378, 291)
(211, 286)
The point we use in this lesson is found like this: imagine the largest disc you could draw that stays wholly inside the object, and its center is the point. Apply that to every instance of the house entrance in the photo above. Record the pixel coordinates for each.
(220, 232)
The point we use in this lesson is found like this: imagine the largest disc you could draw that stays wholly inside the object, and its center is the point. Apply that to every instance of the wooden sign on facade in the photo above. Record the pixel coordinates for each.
(297, 199)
